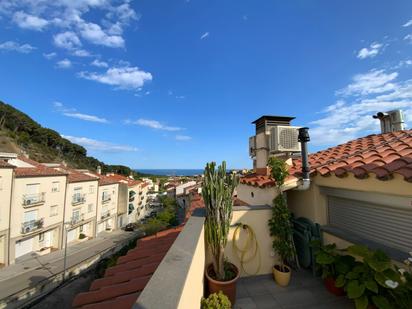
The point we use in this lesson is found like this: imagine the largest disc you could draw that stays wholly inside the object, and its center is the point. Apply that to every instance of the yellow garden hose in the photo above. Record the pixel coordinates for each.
(250, 244)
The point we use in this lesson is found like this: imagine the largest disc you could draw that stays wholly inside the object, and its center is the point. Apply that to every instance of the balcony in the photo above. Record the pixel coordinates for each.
(34, 199)
(105, 214)
(31, 226)
(106, 199)
(76, 219)
(78, 199)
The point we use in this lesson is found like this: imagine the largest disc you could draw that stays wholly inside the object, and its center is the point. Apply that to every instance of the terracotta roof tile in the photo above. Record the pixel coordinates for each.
(4, 164)
(382, 155)
(122, 284)
(37, 170)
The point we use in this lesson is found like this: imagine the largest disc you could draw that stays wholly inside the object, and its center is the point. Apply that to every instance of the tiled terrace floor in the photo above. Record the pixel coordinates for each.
(304, 291)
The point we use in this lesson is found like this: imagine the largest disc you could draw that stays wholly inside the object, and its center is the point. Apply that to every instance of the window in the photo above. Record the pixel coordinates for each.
(90, 208)
(1, 183)
(41, 236)
(81, 228)
(91, 189)
(106, 196)
(54, 210)
(252, 194)
(56, 186)
(76, 215)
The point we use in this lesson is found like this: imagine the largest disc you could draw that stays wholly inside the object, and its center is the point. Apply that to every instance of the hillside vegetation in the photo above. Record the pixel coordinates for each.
(21, 134)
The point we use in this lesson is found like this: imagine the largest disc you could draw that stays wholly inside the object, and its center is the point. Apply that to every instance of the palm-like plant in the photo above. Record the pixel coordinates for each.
(217, 192)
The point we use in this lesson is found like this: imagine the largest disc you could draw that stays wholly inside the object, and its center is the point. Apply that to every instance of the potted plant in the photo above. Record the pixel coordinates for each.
(217, 191)
(82, 236)
(334, 266)
(280, 226)
(216, 301)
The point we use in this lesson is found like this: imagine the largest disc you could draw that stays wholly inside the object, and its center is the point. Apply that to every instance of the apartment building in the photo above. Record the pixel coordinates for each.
(132, 195)
(143, 203)
(6, 180)
(107, 203)
(37, 208)
(81, 205)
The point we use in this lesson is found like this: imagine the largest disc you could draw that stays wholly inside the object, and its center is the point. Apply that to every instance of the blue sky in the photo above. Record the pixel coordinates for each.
(176, 83)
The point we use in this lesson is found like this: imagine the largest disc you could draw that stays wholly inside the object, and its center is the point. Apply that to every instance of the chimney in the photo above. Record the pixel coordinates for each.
(99, 170)
(259, 144)
(391, 121)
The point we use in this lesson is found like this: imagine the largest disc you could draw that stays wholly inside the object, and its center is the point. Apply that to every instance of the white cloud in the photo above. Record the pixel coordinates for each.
(120, 77)
(81, 53)
(408, 38)
(14, 46)
(99, 64)
(183, 138)
(408, 23)
(64, 64)
(92, 144)
(27, 21)
(68, 40)
(94, 34)
(86, 117)
(154, 124)
(49, 55)
(370, 52)
(73, 113)
(349, 119)
(374, 81)
(204, 35)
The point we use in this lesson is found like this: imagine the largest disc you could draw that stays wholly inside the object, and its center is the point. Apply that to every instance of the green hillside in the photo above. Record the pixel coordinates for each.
(20, 133)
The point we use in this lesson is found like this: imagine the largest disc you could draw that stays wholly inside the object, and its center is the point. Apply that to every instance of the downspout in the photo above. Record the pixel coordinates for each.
(304, 138)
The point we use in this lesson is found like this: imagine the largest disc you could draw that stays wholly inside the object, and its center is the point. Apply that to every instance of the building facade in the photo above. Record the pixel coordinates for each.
(6, 181)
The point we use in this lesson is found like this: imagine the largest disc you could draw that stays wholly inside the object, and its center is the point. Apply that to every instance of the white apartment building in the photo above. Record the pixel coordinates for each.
(6, 180)
(37, 208)
(81, 205)
(107, 202)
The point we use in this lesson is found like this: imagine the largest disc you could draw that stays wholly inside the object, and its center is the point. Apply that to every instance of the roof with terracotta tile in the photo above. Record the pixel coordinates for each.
(379, 155)
(120, 178)
(76, 176)
(122, 284)
(37, 170)
(4, 164)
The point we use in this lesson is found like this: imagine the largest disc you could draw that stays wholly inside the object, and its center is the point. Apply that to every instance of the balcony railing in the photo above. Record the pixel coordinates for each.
(78, 199)
(34, 199)
(106, 198)
(105, 214)
(76, 219)
(31, 226)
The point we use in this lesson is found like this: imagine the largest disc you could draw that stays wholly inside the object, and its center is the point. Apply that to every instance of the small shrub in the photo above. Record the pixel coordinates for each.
(82, 236)
(216, 301)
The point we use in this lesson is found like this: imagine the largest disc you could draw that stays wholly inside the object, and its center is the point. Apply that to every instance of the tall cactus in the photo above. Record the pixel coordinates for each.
(217, 192)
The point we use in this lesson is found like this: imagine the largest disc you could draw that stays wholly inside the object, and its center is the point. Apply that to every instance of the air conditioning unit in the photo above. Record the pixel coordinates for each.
(284, 139)
(252, 146)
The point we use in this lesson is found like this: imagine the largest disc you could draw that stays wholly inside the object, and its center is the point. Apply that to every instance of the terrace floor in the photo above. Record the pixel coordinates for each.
(304, 291)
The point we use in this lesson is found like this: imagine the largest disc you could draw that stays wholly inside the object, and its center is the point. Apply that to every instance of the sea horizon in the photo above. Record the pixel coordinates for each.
(170, 172)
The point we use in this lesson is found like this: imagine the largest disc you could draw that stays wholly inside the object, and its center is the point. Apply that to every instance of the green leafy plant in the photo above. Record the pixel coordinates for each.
(333, 263)
(216, 301)
(82, 236)
(280, 224)
(369, 280)
(217, 191)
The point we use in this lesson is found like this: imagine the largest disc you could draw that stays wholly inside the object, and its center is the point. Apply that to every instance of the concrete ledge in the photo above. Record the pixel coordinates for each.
(178, 281)
(251, 207)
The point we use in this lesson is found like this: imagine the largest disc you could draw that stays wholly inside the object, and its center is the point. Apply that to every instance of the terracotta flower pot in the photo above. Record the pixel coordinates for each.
(227, 287)
(282, 277)
(330, 285)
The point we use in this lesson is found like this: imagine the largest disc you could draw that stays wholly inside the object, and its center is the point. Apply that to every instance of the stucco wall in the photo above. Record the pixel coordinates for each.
(110, 205)
(91, 198)
(257, 218)
(6, 175)
(261, 196)
(43, 210)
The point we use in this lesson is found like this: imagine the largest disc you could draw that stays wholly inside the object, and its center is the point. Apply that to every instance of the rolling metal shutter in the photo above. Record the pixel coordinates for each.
(386, 225)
